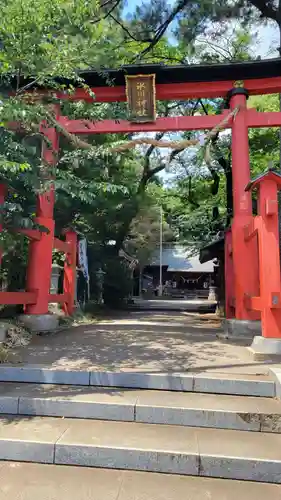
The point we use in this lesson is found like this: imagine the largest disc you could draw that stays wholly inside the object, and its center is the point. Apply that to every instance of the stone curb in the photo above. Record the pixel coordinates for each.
(43, 375)
(276, 372)
(158, 381)
(89, 455)
(141, 413)
(53, 407)
(127, 458)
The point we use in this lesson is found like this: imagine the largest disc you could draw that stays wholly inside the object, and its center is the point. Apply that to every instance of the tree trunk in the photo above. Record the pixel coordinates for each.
(131, 211)
(226, 166)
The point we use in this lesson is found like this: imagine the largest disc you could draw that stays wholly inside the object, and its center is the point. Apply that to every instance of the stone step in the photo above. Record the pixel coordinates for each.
(29, 481)
(155, 407)
(219, 383)
(229, 454)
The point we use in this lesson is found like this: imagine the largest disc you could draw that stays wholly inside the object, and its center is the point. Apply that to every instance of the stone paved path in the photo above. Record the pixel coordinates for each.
(25, 481)
(139, 341)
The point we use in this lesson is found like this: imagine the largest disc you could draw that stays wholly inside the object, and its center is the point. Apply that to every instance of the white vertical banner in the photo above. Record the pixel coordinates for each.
(83, 261)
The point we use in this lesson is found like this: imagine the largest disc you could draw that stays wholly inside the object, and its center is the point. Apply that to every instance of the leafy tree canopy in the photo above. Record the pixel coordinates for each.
(105, 195)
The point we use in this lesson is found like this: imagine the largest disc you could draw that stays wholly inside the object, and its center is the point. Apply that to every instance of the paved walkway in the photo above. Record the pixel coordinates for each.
(26, 481)
(144, 342)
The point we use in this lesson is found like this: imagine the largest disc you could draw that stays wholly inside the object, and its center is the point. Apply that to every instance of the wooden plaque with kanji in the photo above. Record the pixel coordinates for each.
(140, 90)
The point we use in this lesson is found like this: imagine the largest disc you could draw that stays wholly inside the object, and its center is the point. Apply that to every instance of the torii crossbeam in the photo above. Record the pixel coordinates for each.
(232, 82)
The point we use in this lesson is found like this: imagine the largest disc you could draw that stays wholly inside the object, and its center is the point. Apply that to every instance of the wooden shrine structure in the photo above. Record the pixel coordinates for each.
(252, 264)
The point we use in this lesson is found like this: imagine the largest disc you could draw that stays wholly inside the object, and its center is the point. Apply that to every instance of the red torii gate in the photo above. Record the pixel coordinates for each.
(37, 296)
(234, 82)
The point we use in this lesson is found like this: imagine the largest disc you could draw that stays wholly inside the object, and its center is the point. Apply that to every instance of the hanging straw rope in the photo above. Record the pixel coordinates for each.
(175, 145)
(73, 139)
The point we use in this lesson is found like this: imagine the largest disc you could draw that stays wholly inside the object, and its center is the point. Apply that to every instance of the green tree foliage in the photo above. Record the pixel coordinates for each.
(108, 196)
(46, 42)
(144, 233)
(188, 19)
(199, 202)
(264, 143)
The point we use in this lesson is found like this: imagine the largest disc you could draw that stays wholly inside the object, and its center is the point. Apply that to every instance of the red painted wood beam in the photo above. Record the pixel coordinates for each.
(163, 124)
(256, 119)
(180, 91)
(12, 298)
(253, 303)
(250, 230)
(59, 298)
(103, 94)
(60, 245)
(232, 302)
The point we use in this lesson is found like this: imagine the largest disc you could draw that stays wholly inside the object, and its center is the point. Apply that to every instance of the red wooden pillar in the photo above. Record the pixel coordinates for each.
(40, 252)
(245, 258)
(270, 284)
(228, 273)
(69, 281)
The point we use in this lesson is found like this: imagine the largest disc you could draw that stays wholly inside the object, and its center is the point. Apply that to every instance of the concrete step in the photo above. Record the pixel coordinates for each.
(219, 383)
(27, 481)
(155, 407)
(229, 454)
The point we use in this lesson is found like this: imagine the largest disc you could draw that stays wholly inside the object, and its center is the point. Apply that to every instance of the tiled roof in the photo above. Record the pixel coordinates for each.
(178, 259)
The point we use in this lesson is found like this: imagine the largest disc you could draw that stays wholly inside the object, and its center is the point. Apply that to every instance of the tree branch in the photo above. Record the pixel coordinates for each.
(107, 3)
(167, 58)
(217, 48)
(203, 106)
(107, 13)
(265, 9)
(125, 29)
(155, 170)
(151, 148)
(190, 198)
(163, 28)
(163, 165)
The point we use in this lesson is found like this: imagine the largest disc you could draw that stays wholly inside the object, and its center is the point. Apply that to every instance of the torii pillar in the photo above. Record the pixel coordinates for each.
(244, 254)
(266, 225)
(39, 269)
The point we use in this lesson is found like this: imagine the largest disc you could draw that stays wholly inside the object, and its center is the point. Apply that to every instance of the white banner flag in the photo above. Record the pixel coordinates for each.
(83, 262)
(83, 257)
